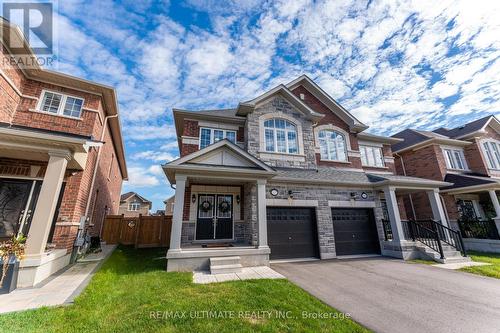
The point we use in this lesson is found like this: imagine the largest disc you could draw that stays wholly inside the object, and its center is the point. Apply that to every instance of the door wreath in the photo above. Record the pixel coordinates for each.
(224, 207)
(205, 206)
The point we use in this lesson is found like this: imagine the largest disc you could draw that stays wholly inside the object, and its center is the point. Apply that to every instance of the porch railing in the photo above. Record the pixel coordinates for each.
(475, 228)
(430, 233)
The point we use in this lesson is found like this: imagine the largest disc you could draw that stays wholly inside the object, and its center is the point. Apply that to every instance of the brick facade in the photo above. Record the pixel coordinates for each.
(19, 97)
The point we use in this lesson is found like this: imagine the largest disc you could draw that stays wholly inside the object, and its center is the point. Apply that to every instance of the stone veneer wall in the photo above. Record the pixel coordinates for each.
(278, 105)
(323, 194)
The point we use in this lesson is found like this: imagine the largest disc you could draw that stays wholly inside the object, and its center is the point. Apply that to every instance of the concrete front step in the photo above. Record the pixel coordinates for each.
(449, 256)
(217, 261)
(225, 269)
(225, 265)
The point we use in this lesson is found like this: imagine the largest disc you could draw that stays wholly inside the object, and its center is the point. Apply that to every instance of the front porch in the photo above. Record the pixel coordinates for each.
(34, 167)
(218, 211)
(409, 238)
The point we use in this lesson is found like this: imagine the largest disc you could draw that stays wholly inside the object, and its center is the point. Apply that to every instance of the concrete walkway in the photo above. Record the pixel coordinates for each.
(247, 273)
(389, 295)
(59, 289)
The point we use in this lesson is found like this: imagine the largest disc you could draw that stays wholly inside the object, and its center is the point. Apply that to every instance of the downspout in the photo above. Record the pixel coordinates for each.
(98, 158)
(409, 195)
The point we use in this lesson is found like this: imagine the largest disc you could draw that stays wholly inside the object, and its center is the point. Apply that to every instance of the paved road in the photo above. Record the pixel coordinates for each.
(389, 295)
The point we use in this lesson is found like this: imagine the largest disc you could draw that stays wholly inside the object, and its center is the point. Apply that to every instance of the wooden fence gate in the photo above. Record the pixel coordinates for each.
(142, 231)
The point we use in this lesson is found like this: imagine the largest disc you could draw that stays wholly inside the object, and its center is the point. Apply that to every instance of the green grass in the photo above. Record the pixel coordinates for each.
(132, 284)
(492, 270)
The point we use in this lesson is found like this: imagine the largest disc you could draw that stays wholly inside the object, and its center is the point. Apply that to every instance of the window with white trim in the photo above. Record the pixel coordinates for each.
(134, 206)
(332, 145)
(455, 159)
(60, 104)
(371, 156)
(492, 151)
(281, 136)
(213, 135)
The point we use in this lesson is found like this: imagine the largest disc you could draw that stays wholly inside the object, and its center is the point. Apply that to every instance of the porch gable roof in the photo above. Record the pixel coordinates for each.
(222, 156)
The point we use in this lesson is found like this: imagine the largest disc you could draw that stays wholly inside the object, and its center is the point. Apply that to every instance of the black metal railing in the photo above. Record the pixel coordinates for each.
(430, 233)
(475, 228)
(426, 236)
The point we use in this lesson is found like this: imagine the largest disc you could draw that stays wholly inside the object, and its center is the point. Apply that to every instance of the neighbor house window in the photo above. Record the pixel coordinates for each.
(134, 206)
(455, 159)
(332, 145)
(212, 135)
(60, 104)
(492, 150)
(371, 156)
(280, 136)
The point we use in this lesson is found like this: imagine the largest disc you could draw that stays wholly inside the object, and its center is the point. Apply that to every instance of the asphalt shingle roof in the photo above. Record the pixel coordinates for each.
(471, 127)
(343, 176)
(460, 181)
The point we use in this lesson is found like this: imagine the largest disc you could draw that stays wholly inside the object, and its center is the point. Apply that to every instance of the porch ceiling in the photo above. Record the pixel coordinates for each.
(29, 145)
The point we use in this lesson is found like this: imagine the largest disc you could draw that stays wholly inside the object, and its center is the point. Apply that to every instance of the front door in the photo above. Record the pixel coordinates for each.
(15, 208)
(215, 217)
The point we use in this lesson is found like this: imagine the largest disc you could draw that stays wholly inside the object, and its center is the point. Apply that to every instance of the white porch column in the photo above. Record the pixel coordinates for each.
(47, 202)
(437, 207)
(262, 213)
(394, 217)
(175, 236)
(494, 200)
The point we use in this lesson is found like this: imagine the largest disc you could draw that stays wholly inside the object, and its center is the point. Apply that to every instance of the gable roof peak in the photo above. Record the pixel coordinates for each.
(326, 99)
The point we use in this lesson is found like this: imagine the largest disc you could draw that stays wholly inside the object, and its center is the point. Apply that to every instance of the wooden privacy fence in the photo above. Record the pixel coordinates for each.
(142, 231)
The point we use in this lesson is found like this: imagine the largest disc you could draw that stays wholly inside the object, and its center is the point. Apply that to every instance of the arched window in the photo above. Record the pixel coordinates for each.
(281, 136)
(332, 145)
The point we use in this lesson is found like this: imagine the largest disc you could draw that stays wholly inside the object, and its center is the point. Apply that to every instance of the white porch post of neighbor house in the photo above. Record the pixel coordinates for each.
(496, 204)
(261, 212)
(180, 189)
(437, 207)
(47, 203)
(394, 217)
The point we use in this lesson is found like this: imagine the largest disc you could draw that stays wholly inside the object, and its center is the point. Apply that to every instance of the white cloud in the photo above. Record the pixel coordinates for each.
(140, 177)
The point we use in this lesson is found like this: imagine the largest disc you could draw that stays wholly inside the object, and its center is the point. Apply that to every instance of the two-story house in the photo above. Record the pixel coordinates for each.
(467, 156)
(133, 205)
(290, 174)
(62, 159)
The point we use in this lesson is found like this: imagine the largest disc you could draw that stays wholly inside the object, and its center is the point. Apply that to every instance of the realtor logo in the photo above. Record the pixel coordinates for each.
(36, 23)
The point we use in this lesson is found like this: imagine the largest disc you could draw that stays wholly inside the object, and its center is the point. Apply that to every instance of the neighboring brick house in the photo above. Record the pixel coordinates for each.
(169, 206)
(467, 156)
(133, 205)
(290, 174)
(62, 160)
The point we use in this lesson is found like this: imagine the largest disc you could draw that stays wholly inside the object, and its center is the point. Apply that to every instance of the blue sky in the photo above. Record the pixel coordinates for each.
(393, 64)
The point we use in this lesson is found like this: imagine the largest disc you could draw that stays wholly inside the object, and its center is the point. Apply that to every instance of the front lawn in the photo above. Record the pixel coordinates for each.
(133, 293)
(492, 270)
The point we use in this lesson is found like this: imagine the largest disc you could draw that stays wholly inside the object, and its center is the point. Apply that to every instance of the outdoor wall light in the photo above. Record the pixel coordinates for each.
(238, 199)
(193, 198)
(290, 194)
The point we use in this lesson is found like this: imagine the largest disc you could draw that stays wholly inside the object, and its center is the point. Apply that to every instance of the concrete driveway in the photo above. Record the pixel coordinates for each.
(389, 295)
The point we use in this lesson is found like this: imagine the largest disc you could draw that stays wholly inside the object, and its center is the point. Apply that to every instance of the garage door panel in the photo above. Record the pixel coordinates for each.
(355, 231)
(292, 232)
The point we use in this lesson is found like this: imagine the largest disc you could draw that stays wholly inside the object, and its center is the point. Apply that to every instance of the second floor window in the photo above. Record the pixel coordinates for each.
(492, 150)
(371, 156)
(60, 104)
(281, 136)
(134, 206)
(332, 146)
(455, 159)
(212, 135)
